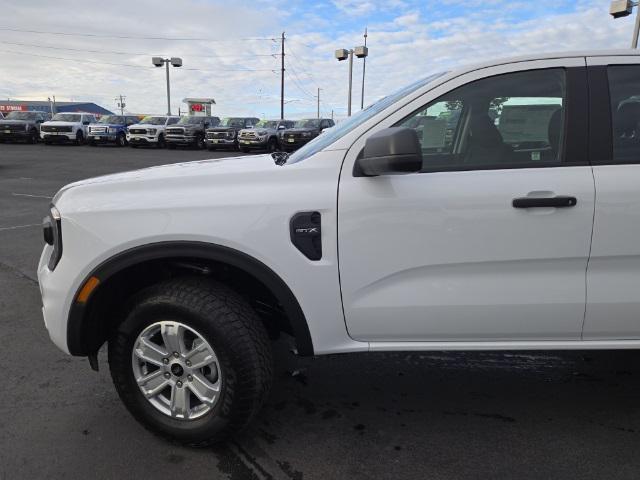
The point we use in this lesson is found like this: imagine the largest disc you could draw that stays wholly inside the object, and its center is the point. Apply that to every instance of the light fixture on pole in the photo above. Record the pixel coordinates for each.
(624, 8)
(176, 62)
(343, 54)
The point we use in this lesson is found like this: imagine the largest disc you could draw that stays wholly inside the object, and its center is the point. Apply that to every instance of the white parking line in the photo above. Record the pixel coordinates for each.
(30, 195)
(21, 226)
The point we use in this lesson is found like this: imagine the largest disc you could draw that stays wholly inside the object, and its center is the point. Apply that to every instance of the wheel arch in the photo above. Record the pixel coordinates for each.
(122, 275)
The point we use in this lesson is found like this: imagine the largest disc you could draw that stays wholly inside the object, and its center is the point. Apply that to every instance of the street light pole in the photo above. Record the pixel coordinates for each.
(319, 101)
(350, 80)
(168, 90)
(624, 8)
(343, 54)
(176, 62)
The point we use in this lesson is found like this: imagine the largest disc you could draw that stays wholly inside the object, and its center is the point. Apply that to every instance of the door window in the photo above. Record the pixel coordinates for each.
(624, 91)
(514, 120)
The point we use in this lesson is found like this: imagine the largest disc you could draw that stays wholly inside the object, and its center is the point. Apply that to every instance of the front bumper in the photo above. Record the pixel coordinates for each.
(102, 137)
(220, 142)
(54, 292)
(14, 134)
(57, 136)
(181, 139)
(253, 143)
(287, 144)
(142, 139)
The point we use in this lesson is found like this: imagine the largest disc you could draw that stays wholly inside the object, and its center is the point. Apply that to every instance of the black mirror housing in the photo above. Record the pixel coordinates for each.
(392, 151)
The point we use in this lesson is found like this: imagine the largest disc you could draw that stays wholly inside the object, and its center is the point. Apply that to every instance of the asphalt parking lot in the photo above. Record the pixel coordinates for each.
(389, 416)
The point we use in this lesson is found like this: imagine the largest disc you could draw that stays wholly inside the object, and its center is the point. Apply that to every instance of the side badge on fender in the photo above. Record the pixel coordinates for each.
(306, 234)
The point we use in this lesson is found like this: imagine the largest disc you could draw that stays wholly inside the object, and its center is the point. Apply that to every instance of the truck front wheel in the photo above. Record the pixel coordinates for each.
(192, 361)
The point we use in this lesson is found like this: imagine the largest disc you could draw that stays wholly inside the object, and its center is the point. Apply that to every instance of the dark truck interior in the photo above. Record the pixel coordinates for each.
(505, 120)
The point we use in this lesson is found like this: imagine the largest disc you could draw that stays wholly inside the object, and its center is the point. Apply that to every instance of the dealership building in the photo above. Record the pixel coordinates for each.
(7, 106)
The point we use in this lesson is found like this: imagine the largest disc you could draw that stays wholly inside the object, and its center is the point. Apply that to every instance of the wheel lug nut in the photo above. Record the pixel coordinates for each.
(167, 375)
(188, 363)
(189, 377)
(165, 360)
(179, 384)
(176, 354)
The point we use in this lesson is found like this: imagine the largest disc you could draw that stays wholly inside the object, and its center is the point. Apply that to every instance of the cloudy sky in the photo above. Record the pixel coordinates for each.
(79, 50)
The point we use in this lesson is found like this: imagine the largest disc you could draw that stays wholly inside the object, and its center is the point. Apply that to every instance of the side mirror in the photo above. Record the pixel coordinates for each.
(86, 122)
(392, 151)
(282, 127)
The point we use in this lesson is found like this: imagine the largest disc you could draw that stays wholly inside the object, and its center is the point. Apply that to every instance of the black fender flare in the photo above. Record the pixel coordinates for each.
(77, 321)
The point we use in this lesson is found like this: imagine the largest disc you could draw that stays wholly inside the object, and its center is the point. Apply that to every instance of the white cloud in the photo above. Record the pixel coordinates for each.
(404, 46)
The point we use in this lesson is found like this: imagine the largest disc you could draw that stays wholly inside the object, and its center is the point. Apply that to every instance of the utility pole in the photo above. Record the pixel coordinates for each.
(364, 67)
(282, 80)
(120, 99)
(319, 102)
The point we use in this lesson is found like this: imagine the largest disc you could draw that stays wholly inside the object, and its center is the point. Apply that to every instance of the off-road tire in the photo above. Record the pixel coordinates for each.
(233, 330)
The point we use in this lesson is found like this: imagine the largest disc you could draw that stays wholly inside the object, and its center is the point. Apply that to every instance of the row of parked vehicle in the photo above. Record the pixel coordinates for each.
(235, 133)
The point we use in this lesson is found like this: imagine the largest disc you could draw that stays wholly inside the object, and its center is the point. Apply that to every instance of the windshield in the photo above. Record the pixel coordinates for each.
(331, 135)
(191, 120)
(22, 116)
(310, 123)
(112, 119)
(154, 120)
(66, 117)
(232, 122)
(267, 124)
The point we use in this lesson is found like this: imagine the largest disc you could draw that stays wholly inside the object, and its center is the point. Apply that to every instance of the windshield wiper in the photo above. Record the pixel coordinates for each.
(280, 157)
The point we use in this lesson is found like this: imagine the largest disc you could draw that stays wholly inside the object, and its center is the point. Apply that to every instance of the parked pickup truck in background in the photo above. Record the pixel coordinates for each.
(189, 131)
(22, 126)
(225, 135)
(302, 132)
(111, 129)
(66, 127)
(150, 131)
(264, 136)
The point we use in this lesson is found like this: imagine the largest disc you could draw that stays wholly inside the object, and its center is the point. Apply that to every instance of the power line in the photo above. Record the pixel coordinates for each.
(300, 87)
(274, 55)
(130, 65)
(133, 37)
(311, 77)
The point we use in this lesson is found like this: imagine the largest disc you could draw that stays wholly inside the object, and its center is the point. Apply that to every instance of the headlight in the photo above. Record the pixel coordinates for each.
(306, 134)
(52, 231)
(152, 131)
(112, 130)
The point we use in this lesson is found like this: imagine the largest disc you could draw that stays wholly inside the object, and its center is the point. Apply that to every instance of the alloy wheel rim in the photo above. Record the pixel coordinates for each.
(176, 370)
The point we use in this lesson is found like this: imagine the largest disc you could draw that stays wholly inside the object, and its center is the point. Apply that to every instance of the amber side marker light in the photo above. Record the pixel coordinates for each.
(89, 286)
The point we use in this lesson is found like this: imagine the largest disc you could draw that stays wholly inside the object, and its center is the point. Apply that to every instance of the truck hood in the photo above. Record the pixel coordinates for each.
(200, 171)
(14, 122)
(146, 125)
(58, 123)
(222, 129)
(301, 130)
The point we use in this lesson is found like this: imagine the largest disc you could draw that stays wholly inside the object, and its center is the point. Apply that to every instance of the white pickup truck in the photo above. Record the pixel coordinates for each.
(150, 131)
(416, 224)
(66, 127)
